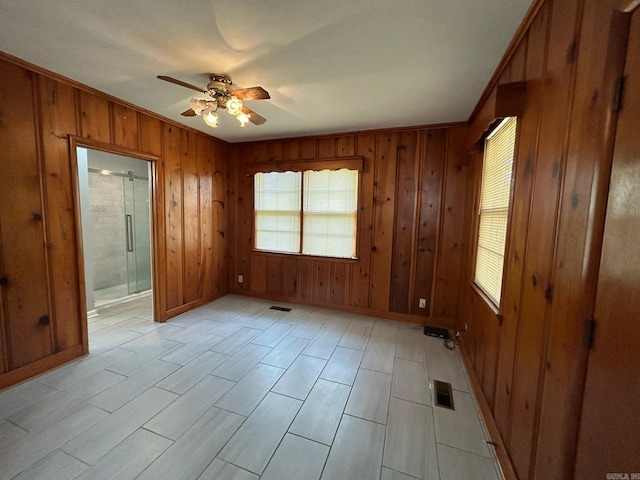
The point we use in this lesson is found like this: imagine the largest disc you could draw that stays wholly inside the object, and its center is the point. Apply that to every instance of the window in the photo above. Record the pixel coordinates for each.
(313, 213)
(494, 208)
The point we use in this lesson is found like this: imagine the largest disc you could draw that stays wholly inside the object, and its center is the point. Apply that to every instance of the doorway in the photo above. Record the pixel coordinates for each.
(116, 227)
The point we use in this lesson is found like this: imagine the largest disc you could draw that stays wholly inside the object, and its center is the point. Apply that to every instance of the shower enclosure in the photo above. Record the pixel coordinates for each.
(116, 227)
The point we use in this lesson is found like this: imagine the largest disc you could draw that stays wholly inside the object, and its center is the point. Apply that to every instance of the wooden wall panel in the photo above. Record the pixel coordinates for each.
(384, 214)
(580, 226)
(529, 126)
(22, 224)
(150, 135)
(361, 278)
(274, 274)
(191, 236)
(58, 120)
(42, 254)
(173, 214)
(206, 266)
(404, 228)
(394, 252)
(432, 163)
(571, 54)
(450, 248)
(125, 126)
(95, 117)
(538, 281)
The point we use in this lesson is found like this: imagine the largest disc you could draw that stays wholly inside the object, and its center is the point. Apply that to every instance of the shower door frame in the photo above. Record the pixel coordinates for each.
(155, 216)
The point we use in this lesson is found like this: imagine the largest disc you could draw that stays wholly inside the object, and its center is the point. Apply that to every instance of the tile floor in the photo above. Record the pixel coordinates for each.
(234, 390)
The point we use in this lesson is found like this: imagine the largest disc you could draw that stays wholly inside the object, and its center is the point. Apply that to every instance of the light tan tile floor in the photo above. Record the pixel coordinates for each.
(234, 390)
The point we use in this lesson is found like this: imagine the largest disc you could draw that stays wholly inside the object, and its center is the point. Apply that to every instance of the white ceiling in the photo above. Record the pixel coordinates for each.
(329, 65)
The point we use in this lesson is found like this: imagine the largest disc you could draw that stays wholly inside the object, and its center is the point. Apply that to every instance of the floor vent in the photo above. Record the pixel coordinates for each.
(281, 309)
(443, 394)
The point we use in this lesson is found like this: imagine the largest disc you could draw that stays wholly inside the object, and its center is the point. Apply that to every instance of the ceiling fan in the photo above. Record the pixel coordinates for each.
(222, 94)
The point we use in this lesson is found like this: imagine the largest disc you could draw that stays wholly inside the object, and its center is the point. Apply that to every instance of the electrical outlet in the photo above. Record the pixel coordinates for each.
(423, 303)
(240, 278)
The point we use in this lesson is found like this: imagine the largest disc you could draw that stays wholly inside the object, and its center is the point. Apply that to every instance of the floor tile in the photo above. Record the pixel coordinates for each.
(381, 349)
(461, 427)
(296, 459)
(337, 322)
(242, 362)
(9, 433)
(221, 470)
(273, 335)
(56, 466)
(412, 344)
(320, 414)
(98, 440)
(129, 459)
(142, 358)
(236, 341)
(299, 379)
(369, 397)
(411, 382)
(22, 396)
(456, 464)
(126, 390)
(323, 344)
(250, 391)
(445, 365)
(190, 455)
(285, 352)
(356, 451)
(410, 445)
(52, 408)
(343, 366)
(254, 443)
(309, 326)
(187, 376)
(388, 474)
(20, 455)
(187, 409)
(356, 337)
(68, 376)
(191, 350)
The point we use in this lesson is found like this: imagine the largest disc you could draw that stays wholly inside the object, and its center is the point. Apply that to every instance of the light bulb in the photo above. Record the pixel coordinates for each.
(210, 118)
(243, 118)
(234, 105)
(198, 105)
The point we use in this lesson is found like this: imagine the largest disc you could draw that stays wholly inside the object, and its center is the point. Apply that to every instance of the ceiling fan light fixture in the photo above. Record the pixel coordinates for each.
(210, 118)
(234, 105)
(243, 118)
(198, 105)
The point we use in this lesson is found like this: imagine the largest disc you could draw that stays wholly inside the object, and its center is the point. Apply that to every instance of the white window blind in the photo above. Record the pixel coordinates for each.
(494, 208)
(327, 202)
(277, 211)
(330, 213)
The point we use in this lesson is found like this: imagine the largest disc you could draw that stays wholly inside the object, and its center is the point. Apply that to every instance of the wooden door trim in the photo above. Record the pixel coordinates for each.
(74, 143)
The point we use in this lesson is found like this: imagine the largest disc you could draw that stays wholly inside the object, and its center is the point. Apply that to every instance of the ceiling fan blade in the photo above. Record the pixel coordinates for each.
(180, 82)
(253, 116)
(188, 113)
(251, 93)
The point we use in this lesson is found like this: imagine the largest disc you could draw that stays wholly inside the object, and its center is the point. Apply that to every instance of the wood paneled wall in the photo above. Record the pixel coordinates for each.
(41, 318)
(409, 242)
(529, 358)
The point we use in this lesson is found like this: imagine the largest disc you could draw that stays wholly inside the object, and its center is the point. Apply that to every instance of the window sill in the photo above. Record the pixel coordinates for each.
(483, 296)
(302, 256)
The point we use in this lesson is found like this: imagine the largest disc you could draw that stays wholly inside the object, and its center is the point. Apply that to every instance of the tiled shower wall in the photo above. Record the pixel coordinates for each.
(106, 195)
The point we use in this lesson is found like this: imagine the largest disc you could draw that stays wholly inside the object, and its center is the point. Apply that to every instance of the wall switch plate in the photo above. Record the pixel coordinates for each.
(240, 278)
(423, 303)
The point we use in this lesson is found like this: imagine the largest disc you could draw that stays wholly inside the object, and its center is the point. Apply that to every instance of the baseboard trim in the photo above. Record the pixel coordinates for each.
(494, 434)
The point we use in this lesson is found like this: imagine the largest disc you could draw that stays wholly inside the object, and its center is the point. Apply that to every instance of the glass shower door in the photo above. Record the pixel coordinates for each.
(137, 233)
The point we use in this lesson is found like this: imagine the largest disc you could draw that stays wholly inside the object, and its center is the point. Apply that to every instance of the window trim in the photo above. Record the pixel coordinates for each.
(496, 308)
(356, 257)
